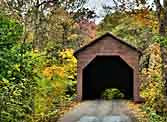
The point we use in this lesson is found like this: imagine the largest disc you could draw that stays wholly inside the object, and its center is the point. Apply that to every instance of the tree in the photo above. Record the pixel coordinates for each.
(17, 81)
(137, 28)
(35, 14)
(62, 32)
(161, 11)
(159, 6)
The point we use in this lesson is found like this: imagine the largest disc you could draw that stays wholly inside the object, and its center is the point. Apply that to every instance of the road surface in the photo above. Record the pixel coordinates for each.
(100, 111)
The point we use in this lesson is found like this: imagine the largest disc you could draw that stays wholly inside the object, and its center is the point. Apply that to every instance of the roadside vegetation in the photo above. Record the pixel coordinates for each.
(37, 67)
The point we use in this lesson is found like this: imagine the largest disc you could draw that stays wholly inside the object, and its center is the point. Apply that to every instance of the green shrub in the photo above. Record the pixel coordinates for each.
(112, 93)
(17, 76)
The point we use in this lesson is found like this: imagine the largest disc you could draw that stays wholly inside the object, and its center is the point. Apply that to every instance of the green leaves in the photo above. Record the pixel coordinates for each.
(112, 93)
(129, 27)
(17, 83)
(161, 40)
(10, 32)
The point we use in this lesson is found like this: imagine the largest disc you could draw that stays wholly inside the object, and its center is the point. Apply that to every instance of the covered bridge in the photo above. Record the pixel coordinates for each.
(107, 62)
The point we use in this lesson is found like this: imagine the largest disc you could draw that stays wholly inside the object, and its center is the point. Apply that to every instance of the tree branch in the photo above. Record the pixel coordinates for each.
(46, 2)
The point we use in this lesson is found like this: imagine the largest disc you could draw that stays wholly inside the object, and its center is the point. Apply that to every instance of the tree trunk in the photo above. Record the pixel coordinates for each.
(162, 18)
(164, 68)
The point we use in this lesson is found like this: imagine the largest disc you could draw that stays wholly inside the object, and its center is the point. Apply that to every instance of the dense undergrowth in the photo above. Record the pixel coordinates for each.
(153, 84)
(33, 86)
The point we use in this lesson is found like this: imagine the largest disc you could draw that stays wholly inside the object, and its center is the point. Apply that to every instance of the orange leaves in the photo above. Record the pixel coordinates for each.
(145, 17)
(142, 17)
(49, 72)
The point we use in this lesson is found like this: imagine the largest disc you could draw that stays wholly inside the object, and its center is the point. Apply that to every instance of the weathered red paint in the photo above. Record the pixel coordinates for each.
(108, 45)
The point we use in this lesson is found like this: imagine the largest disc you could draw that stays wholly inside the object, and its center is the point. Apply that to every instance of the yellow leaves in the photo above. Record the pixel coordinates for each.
(17, 67)
(65, 71)
(67, 53)
(155, 61)
(53, 87)
(58, 88)
(68, 58)
(153, 88)
(138, 112)
(49, 72)
(69, 62)
(146, 18)
(73, 37)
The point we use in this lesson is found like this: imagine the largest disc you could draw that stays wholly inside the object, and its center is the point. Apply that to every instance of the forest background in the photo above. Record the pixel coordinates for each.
(37, 41)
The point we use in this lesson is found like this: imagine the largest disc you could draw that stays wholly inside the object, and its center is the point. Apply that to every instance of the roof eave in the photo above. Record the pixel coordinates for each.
(107, 34)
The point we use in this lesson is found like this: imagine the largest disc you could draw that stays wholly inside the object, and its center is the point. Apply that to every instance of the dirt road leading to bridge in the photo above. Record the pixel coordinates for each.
(100, 111)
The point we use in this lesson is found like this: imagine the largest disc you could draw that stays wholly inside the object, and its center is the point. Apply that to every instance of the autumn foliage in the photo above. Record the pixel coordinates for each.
(153, 84)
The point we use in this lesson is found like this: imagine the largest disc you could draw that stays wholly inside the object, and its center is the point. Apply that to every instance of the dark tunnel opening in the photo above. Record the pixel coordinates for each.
(107, 72)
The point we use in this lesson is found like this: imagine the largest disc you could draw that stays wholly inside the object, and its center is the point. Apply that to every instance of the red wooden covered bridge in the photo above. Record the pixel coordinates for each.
(108, 62)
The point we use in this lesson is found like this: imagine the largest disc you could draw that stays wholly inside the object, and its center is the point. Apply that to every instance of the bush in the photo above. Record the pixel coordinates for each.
(17, 83)
(69, 63)
(153, 85)
(112, 93)
(56, 86)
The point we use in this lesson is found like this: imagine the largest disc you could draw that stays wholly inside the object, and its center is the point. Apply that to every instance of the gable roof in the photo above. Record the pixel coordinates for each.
(101, 37)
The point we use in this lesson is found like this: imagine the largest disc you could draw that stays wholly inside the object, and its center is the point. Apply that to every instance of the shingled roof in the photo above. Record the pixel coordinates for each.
(101, 37)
